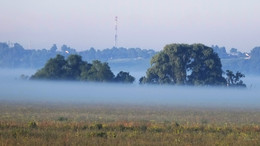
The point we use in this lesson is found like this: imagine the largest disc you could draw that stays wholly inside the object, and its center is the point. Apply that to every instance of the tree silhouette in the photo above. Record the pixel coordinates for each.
(124, 77)
(234, 80)
(183, 64)
(74, 68)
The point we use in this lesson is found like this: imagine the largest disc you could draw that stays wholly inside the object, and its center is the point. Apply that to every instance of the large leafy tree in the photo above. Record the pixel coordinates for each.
(184, 64)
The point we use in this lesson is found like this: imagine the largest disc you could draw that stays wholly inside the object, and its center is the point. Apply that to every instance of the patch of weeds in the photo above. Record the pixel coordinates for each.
(112, 134)
(121, 127)
(177, 124)
(97, 134)
(75, 127)
(143, 128)
(155, 129)
(61, 119)
(84, 127)
(19, 132)
(32, 124)
(204, 121)
(98, 126)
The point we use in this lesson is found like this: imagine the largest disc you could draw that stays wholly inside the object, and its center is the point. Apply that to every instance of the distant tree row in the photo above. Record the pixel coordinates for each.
(238, 61)
(116, 53)
(14, 56)
(74, 68)
(223, 54)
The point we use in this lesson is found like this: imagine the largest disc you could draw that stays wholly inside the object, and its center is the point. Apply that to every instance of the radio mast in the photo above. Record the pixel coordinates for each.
(115, 32)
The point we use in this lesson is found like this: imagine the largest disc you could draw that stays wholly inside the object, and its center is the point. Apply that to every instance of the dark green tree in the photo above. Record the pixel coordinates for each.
(100, 72)
(85, 71)
(234, 80)
(74, 68)
(183, 64)
(54, 69)
(124, 77)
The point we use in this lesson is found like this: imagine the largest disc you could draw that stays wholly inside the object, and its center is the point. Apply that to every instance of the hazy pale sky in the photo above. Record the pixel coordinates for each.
(82, 24)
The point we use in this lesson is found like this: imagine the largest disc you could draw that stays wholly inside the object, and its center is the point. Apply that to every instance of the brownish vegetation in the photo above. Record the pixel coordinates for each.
(41, 124)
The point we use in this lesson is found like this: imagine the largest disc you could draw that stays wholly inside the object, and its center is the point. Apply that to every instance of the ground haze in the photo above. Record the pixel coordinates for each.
(84, 113)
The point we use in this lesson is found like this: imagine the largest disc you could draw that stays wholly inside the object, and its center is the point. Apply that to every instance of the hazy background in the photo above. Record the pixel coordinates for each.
(82, 24)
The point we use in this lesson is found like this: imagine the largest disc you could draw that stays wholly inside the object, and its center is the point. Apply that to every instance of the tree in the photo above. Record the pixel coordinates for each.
(100, 72)
(253, 64)
(74, 68)
(54, 48)
(85, 71)
(53, 69)
(234, 80)
(124, 77)
(183, 64)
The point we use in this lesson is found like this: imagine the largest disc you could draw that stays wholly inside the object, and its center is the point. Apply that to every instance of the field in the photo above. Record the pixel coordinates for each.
(84, 124)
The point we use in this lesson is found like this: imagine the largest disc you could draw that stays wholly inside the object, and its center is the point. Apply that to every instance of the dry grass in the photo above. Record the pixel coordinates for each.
(56, 124)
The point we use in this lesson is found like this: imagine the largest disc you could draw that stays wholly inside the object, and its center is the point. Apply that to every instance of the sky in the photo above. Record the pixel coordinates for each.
(147, 24)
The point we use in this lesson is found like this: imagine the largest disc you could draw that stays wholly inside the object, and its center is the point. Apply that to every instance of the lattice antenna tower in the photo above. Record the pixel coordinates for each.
(116, 32)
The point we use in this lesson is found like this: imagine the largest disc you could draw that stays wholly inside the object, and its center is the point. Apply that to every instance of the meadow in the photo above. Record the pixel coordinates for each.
(43, 123)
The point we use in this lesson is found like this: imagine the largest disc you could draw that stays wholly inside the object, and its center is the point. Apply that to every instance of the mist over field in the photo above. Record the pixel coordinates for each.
(14, 89)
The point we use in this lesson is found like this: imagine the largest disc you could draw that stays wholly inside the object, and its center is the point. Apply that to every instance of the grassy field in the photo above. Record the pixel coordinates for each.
(76, 124)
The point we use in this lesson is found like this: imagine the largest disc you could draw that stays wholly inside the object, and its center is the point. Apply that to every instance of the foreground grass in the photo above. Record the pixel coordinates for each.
(50, 124)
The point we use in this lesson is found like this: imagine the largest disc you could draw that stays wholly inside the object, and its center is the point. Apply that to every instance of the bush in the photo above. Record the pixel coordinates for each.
(97, 126)
(32, 124)
(97, 134)
(62, 119)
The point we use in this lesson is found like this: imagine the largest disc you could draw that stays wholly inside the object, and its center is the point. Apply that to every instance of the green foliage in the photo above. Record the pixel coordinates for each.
(32, 124)
(97, 134)
(74, 68)
(124, 77)
(99, 72)
(183, 64)
(145, 125)
(54, 69)
(98, 126)
(234, 80)
(61, 119)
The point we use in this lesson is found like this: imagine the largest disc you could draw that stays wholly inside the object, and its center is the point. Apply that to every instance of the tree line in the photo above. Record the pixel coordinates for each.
(176, 64)
(236, 60)
(15, 56)
(75, 69)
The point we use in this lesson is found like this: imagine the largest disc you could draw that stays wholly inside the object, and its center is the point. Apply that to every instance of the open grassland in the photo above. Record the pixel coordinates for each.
(79, 124)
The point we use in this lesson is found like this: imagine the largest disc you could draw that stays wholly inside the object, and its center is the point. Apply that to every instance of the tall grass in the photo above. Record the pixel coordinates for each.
(41, 124)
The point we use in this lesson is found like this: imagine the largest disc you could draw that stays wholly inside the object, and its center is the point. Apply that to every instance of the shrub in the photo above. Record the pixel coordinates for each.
(32, 124)
(97, 134)
(62, 119)
(97, 126)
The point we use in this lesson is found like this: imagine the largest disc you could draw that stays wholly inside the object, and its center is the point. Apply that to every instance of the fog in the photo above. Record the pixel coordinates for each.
(14, 89)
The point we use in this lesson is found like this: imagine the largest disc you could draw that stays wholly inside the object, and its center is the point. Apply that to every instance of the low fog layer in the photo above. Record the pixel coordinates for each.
(16, 90)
